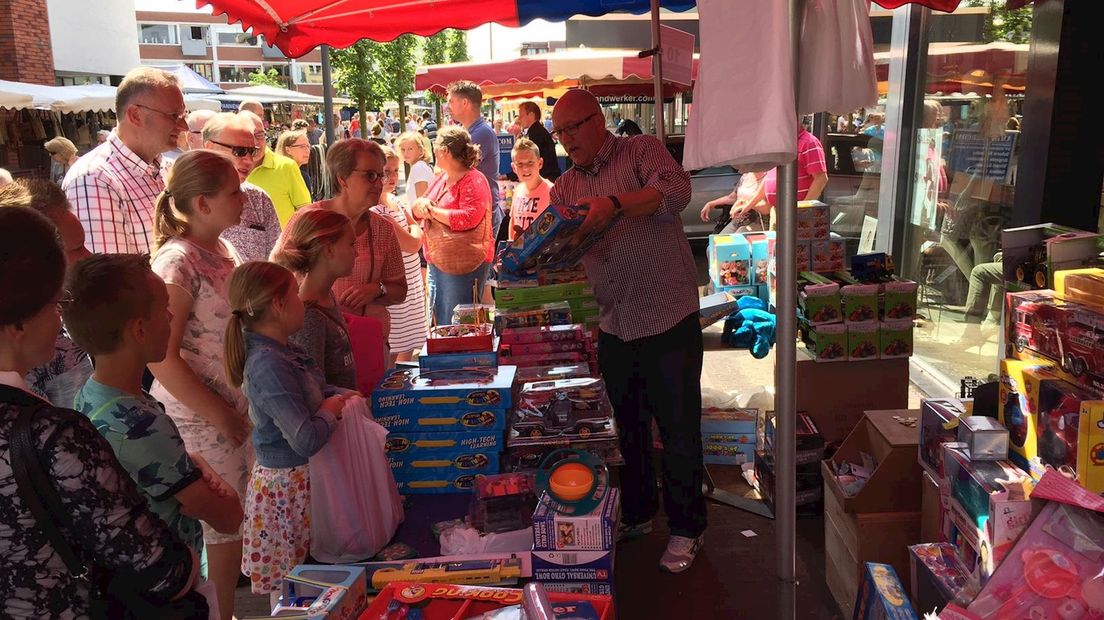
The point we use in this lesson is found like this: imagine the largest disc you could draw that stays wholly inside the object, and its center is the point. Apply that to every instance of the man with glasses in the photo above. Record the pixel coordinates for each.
(650, 343)
(113, 187)
(276, 174)
(196, 122)
(256, 234)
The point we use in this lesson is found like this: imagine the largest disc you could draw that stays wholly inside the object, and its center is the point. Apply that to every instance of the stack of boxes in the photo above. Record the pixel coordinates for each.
(817, 248)
(728, 435)
(575, 553)
(578, 295)
(738, 263)
(810, 451)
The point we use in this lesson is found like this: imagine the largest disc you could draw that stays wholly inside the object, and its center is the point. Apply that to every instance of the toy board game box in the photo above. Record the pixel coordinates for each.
(729, 260)
(406, 389)
(882, 596)
(457, 361)
(459, 451)
(460, 338)
(432, 482)
(549, 242)
(438, 601)
(573, 565)
(596, 531)
(320, 592)
(737, 421)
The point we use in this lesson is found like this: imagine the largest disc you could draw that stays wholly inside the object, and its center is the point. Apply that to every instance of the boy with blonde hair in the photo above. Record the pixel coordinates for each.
(532, 191)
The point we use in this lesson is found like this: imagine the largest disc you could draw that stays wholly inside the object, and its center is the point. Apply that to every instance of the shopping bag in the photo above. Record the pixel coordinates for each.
(355, 504)
(368, 340)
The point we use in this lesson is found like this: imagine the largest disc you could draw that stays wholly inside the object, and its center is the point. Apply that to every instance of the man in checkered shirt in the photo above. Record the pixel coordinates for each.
(114, 186)
(650, 345)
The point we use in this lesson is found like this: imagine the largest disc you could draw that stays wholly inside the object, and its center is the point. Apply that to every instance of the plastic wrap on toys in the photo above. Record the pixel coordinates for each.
(466, 540)
(565, 407)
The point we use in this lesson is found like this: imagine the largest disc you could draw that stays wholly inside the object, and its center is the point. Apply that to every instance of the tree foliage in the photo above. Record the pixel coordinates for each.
(373, 73)
(271, 77)
(1003, 24)
(457, 46)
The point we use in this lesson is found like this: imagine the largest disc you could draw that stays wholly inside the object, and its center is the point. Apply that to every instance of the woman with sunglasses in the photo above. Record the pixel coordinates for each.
(456, 205)
(378, 279)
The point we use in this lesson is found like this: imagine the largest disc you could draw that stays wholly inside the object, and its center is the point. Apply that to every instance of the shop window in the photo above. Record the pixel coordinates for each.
(203, 69)
(233, 73)
(236, 37)
(157, 34)
(308, 74)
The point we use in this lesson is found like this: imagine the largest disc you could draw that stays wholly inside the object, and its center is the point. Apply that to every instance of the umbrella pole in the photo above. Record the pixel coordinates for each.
(657, 72)
(327, 95)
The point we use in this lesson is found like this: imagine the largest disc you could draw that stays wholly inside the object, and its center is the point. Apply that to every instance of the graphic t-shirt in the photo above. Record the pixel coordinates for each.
(527, 205)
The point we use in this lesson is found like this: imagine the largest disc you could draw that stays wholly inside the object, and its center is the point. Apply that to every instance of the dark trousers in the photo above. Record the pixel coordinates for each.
(659, 376)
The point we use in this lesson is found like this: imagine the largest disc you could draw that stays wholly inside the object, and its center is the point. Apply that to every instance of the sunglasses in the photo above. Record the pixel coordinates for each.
(238, 151)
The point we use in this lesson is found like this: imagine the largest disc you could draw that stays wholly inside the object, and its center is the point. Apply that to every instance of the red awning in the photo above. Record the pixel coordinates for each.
(965, 67)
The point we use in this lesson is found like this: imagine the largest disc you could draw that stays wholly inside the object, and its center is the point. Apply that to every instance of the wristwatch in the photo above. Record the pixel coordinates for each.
(383, 290)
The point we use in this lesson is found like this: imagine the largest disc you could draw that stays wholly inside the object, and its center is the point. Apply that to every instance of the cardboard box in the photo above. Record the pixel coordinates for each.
(1033, 253)
(835, 396)
(809, 494)
(717, 306)
(882, 595)
(728, 452)
(828, 255)
(895, 338)
(594, 566)
(404, 390)
(596, 531)
(860, 303)
(894, 485)
(436, 482)
(543, 333)
(441, 600)
(851, 539)
(939, 577)
(520, 297)
(729, 260)
(985, 438)
(438, 452)
(760, 255)
(931, 510)
(324, 592)
(862, 341)
(738, 421)
(549, 242)
(455, 361)
(443, 420)
(1083, 286)
(939, 419)
(813, 220)
(898, 300)
(819, 299)
(1090, 448)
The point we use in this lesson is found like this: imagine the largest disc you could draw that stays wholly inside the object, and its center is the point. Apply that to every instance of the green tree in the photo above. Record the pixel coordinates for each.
(373, 73)
(435, 52)
(266, 78)
(457, 46)
(1003, 24)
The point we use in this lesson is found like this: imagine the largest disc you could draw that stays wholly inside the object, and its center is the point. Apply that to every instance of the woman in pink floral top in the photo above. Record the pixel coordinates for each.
(460, 199)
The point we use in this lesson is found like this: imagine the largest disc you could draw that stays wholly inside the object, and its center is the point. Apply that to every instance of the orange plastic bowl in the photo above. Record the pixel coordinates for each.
(571, 481)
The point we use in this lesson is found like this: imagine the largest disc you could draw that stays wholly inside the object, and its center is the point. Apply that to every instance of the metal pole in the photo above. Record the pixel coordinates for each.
(657, 72)
(785, 405)
(327, 95)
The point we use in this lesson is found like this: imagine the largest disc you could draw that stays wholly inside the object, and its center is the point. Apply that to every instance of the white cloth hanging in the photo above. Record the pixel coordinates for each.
(743, 110)
(836, 57)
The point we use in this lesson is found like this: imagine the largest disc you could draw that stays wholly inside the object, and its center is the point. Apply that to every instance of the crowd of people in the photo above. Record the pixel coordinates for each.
(179, 334)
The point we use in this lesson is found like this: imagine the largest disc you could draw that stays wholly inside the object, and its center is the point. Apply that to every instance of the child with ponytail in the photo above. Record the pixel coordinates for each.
(319, 246)
(201, 200)
(293, 410)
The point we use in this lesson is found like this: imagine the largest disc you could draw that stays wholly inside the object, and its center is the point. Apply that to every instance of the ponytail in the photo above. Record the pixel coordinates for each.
(194, 174)
(166, 224)
(253, 287)
(234, 351)
(306, 237)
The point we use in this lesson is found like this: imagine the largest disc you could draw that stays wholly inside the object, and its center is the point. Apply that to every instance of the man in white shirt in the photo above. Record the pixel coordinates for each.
(113, 187)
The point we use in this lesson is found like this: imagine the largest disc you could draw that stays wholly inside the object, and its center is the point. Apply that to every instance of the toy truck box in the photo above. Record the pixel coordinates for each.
(458, 451)
(405, 390)
(1071, 335)
(564, 407)
(595, 531)
(819, 299)
(1031, 254)
(318, 592)
(860, 301)
(729, 260)
(863, 341)
(898, 300)
(596, 566)
(895, 338)
(828, 343)
(549, 242)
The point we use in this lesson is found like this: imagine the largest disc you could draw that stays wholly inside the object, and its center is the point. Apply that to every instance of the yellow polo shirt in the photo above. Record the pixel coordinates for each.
(280, 178)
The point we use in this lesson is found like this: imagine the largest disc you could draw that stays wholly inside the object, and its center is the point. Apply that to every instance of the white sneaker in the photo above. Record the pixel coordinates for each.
(680, 553)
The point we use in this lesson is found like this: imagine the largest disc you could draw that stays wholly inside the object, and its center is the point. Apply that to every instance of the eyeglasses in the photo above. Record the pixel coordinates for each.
(181, 117)
(371, 175)
(572, 129)
(238, 151)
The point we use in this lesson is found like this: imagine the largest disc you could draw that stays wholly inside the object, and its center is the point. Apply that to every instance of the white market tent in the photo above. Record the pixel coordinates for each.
(273, 94)
(71, 99)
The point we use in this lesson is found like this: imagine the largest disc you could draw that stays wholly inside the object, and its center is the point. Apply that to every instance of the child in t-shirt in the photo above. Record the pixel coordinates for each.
(532, 191)
(119, 315)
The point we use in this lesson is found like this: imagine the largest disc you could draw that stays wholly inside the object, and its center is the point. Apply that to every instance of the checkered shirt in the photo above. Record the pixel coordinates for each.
(113, 191)
(642, 270)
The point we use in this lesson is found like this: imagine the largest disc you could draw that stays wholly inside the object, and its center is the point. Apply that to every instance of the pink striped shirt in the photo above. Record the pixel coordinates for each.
(113, 191)
(642, 270)
(810, 161)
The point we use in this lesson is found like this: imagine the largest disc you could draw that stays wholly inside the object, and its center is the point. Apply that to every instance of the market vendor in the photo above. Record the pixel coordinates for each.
(650, 345)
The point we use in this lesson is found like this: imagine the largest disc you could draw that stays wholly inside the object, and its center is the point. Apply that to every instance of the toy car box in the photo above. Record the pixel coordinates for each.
(439, 601)
(594, 566)
(443, 392)
(432, 482)
(549, 242)
(457, 451)
(526, 454)
(895, 338)
(813, 220)
(828, 255)
(828, 343)
(860, 301)
(1031, 254)
(863, 341)
(729, 260)
(551, 313)
(320, 592)
(565, 407)
(898, 300)
(819, 299)
(882, 596)
(939, 419)
(457, 361)
(595, 531)
(460, 338)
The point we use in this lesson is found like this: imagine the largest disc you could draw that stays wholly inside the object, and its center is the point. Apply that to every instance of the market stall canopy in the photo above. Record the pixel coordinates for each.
(193, 83)
(274, 94)
(73, 99)
(549, 74)
(968, 67)
(20, 96)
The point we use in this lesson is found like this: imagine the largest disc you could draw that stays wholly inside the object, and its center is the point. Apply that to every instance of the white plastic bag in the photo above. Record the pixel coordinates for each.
(355, 504)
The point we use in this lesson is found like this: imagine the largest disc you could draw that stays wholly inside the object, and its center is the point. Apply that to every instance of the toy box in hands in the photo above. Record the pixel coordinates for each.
(325, 592)
(458, 451)
(460, 338)
(549, 242)
(729, 260)
(813, 220)
(939, 577)
(457, 361)
(553, 313)
(895, 338)
(827, 342)
(863, 341)
(827, 255)
(593, 566)
(717, 306)
(819, 299)
(939, 419)
(882, 596)
(595, 531)
(438, 601)
(898, 300)
(444, 391)
(565, 407)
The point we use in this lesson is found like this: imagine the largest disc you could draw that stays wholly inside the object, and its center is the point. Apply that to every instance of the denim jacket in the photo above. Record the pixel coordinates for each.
(285, 389)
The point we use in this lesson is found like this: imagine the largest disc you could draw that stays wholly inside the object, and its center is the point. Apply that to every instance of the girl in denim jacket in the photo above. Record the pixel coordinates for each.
(293, 411)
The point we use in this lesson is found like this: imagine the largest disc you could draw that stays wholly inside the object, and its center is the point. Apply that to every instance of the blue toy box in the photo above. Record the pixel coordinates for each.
(573, 566)
(549, 242)
(432, 392)
(882, 596)
(318, 592)
(595, 531)
(729, 260)
(760, 254)
(461, 451)
(457, 361)
(443, 420)
(432, 482)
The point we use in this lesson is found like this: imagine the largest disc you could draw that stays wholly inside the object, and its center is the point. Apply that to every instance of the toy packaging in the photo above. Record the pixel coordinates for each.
(550, 241)
(728, 450)
(438, 601)
(939, 577)
(324, 592)
(421, 482)
(530, 374)
(549, 333)
(939, 419)
(456, 361)
(1054, 570)
(468, 572)
(729, 260)
(872, 267)
(1083, 286)
(813, 219)
(899, 300)
(1033, 253)
(596, 531)
(827, 342)
(503, 503)
(443, 420)
(809, 494)
(567, 588)
(728, 435)
(860, 303)
(456, 451)
(819, 299)
(985, 438)
(472, 314)
(515, 297)
(525, 454)
(544, 348)
(552, 313)
(440, 391)
(862, 341)
(827, 255)
(810, 443)
(568, 407)
(895, 338)
(460, 338)
(1090, 447)
(882, 596)
(593, 566)
(718, 305)
(760, 254)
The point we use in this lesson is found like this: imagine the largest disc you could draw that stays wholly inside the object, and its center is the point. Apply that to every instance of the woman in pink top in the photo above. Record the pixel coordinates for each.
(460, 199)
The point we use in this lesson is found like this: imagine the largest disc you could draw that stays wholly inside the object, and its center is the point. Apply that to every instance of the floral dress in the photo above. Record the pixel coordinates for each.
(205, 276)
